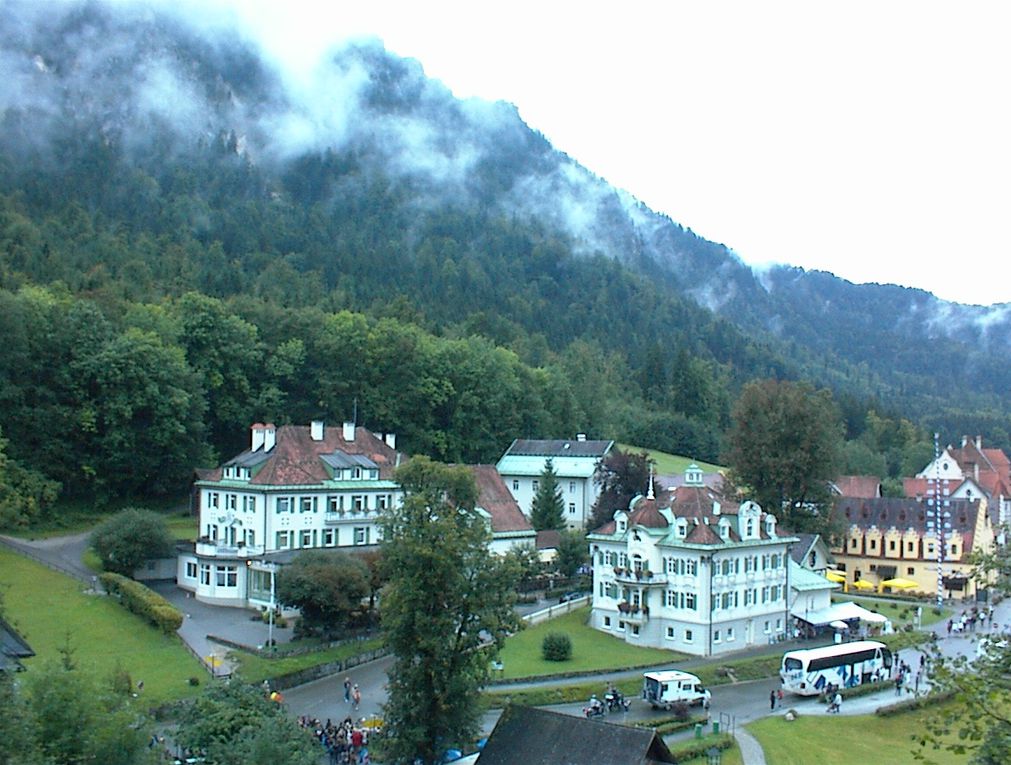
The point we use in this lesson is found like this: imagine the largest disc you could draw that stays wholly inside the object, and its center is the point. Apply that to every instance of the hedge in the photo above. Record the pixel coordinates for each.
(700, 748)
(146, 603)
(911, 705)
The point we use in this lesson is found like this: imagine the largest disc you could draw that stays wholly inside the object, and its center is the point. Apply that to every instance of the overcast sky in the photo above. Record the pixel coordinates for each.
(869, 139)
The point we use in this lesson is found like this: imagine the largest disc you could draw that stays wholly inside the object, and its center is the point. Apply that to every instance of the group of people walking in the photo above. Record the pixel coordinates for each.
(352, 693)
(345, 743)
(973, 619)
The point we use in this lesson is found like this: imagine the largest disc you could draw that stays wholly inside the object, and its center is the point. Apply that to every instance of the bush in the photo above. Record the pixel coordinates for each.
(146, 603)
(194, 681)
(556, 647)
(680, 711)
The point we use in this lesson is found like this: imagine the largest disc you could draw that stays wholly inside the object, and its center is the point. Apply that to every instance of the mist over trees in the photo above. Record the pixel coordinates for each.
(170, 275)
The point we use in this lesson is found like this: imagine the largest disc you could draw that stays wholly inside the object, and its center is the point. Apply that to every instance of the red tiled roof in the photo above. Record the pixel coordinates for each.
(647, 513)
(548, 539)
(703, 534)
(859, 486)
(295, 458)
(495, 499)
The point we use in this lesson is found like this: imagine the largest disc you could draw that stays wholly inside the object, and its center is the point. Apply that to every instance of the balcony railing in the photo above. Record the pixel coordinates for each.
(632, 612)
(643, 577)
(217, 548)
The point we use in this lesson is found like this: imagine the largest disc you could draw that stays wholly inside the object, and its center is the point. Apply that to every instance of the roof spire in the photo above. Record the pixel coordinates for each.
(649, 494)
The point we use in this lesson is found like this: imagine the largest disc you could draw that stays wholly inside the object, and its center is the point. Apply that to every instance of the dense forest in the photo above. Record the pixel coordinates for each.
(175, 266)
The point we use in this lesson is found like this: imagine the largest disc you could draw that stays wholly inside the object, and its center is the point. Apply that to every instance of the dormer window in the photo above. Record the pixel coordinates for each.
(356, 474)
(622, 525)
(750, 528)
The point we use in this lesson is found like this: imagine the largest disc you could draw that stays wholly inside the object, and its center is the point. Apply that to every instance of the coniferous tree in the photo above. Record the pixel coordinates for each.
(547, 511)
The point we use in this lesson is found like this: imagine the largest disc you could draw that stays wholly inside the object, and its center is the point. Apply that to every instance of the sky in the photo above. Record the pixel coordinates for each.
(869, 139)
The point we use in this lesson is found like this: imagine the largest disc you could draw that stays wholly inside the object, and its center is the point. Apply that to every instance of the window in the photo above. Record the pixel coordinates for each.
(766, 630)
(307, 505)
(205, 573)
(329, 537)
(212, 531)
(750, 528)
(909, 546)
(572, 508)
(250, 537)
(283, 540)
(954, 549)
(226, 576)
(689, 636)
(910, 571)
(607, 622)
(730, 633)
(307, 538)
(874, 544)
(358, 502)
(191, 569)
(635, 630)
(812, 560)
(516, 484)
(361, 535)
(535, 484)
(213, 499)
(891, 545)
(248, 504)
(779, 625)
(690, 600)
(716, 636)
(284, 504)
(930, 549)
(670, 633)
(334, 503)
(853, 544)
(384, 501)
(621, 626)
(572, 487)
(231, 501)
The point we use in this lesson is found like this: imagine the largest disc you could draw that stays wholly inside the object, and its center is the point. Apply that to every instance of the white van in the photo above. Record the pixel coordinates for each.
(665, 689)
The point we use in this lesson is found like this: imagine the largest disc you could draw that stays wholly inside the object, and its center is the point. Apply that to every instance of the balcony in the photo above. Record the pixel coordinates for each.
(215, 548)
(332, 518)
(639, 578)
(635, 614)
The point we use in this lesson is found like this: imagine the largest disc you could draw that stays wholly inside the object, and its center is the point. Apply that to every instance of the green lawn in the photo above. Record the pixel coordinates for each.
(841, 740)
(591, 649)
(47, 606)
(255, 669)
(671, 464)
(901, 612)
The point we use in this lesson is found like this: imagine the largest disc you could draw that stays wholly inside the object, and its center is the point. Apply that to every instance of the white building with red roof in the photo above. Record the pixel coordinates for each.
(294, 488)
(509, 527)
(968, 472)
(690, 570)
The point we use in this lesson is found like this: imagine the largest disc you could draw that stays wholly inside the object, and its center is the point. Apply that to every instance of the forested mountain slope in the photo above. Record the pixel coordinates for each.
(177, 195)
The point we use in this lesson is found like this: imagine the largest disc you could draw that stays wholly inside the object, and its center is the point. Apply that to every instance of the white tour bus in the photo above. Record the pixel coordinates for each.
(845, 665)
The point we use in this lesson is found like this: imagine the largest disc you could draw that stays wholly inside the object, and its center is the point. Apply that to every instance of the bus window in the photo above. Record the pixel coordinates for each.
(886, 656)
(791, 665)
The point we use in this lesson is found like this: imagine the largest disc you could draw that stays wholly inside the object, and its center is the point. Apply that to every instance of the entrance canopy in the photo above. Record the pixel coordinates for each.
(842, 612)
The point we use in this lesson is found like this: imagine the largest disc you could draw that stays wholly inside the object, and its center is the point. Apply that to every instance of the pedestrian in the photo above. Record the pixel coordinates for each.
(779, 697)
(347, 690)
(898, 684)
(949, 627)
(356, 695)
(772, 700)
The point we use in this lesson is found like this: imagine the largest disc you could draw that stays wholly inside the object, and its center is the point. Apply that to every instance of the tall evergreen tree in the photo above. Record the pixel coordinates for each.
(446, 610)
(547, 511)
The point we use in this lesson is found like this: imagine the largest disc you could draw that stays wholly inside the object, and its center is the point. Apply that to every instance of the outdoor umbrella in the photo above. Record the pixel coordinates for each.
(863, 584)
(900, 584)
(834, 576)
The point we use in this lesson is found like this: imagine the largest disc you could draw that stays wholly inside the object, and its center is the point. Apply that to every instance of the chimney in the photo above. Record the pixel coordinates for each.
(257, 436)
(965, 441)
(580, 436)
(979, 442)
(391, 440)
(349, 431)
(316, 430)
(269, 435)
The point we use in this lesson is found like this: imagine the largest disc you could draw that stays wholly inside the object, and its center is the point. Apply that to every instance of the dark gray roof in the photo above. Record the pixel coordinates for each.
(249, 459)
(538, 737)
(339, 460)
(799, 551)
(12, 648)
(558, 448)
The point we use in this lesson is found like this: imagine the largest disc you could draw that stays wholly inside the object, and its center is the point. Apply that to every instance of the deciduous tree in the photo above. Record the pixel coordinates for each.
(132, 536)
(784, 448)
(620, 477)
(445, 610)
(327, 586)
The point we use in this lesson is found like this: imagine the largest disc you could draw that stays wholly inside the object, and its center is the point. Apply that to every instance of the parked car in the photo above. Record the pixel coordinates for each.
(566, 597)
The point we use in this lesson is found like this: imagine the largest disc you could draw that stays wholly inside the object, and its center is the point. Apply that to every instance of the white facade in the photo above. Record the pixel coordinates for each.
(574, 461)
(690, 573)
(294, 489)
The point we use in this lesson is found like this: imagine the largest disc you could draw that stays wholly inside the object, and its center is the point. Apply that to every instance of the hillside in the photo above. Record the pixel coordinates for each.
(145, 161)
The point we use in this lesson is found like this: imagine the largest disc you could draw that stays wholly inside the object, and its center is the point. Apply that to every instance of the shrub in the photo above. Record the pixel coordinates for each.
(556, 647)
(194, 681)
(142, 601)
(680, 711)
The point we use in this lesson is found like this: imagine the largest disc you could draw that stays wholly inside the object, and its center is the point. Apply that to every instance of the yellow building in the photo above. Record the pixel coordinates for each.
(890, 537)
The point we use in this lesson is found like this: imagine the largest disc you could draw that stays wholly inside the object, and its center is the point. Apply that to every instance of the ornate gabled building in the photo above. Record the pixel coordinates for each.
(690, 570)
(892, 537)
(294, 488)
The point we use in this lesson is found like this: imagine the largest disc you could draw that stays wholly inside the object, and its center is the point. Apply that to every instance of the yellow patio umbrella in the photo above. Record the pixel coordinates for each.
(834, 576)
(900, 584)
(863, 584)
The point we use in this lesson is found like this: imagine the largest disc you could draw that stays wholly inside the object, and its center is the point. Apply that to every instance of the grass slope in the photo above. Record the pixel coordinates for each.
(47, 607)
(592, 649)
(671, 464)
